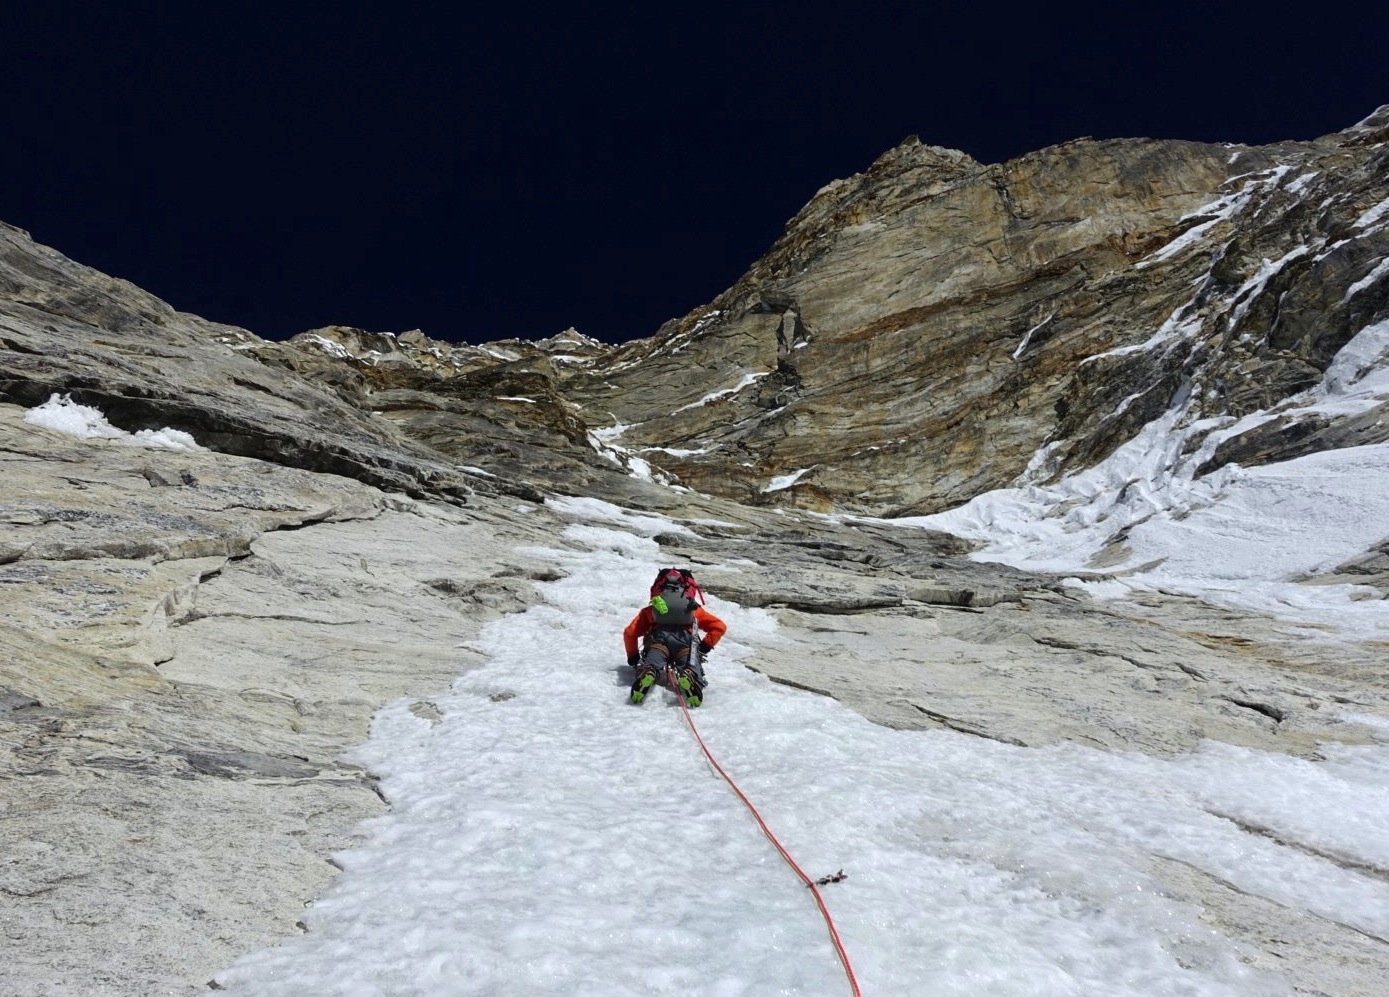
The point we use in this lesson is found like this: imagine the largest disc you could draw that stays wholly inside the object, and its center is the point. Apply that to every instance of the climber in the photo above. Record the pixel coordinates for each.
(670, 630)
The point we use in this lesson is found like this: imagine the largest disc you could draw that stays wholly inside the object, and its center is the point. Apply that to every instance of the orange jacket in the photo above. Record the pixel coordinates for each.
(711, 627)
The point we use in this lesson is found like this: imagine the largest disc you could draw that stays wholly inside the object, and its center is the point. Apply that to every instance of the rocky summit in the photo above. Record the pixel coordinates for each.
(197, 627)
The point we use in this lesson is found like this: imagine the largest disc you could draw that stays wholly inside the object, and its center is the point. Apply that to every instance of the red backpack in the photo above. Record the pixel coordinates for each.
(682, 577)
(675, 595)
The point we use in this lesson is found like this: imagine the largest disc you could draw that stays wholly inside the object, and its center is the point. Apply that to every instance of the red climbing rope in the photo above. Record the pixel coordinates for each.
(812, 884)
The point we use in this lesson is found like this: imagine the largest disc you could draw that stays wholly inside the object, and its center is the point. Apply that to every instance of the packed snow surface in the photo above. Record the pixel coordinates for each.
(546, 837)
(1259, 538)
(63, 414)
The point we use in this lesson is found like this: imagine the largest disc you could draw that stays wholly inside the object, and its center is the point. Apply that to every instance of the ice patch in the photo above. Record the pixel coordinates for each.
(62, 414)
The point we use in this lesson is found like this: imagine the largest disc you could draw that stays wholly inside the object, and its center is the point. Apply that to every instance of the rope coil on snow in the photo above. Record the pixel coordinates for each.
(811, 883)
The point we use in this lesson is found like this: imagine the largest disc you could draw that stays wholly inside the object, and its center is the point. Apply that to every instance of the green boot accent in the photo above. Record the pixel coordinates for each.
(694, 695)
(642, 685)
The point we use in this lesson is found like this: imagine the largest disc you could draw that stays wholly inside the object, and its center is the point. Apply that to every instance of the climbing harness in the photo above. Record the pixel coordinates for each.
(813, 884)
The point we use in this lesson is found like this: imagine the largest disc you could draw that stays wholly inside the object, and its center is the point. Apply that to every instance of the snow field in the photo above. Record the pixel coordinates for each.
(549, 838)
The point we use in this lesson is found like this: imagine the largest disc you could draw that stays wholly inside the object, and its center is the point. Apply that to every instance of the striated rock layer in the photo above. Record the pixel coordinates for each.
(922, 330)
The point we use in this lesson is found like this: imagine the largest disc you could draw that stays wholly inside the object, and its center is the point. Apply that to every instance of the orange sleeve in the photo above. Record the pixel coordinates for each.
(638, 628)
(712, 627)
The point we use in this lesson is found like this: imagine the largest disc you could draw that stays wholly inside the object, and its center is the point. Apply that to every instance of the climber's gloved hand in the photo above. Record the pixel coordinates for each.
(634, 660)
(704, 648)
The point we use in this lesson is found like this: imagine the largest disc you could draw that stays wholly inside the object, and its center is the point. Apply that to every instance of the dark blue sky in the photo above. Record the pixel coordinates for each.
(523, 169)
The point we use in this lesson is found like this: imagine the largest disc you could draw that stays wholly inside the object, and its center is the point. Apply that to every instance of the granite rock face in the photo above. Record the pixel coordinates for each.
(916, 337)
(69, 330)
(192, 639)
(924, 329)
(190, 642)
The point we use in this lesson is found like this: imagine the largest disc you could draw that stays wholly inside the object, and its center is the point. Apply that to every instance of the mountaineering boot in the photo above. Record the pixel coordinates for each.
(646, 678)
(690, 686)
